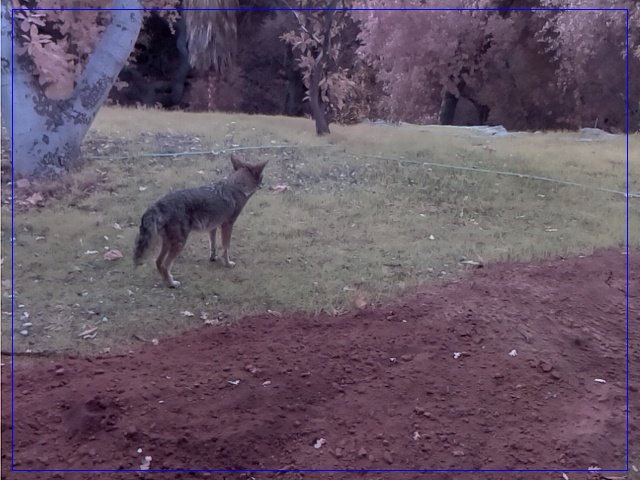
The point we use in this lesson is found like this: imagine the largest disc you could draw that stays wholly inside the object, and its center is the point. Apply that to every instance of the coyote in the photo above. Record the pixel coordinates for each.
(172, 218)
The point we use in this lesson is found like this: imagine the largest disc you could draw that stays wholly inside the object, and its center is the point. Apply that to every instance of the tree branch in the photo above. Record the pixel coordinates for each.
(304, 29)
(328, 19)
(343, 12)
(111, 53)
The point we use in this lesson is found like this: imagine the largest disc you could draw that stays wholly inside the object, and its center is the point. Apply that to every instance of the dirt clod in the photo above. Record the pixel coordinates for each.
(545, 367)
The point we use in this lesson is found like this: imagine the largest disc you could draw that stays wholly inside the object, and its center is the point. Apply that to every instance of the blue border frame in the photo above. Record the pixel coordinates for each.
(13, 469)
(626, 292)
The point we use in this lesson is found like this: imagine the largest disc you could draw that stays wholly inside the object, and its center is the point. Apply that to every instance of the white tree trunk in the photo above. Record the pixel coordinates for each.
(47, 134)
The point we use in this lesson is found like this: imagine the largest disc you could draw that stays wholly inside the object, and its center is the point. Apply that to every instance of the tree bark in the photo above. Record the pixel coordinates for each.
(47, 134)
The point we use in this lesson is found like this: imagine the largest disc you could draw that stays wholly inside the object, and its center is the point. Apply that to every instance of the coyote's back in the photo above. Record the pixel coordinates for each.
(174, 216)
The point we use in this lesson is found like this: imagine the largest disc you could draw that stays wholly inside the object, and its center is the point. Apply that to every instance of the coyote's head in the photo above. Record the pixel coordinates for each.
(246, 177)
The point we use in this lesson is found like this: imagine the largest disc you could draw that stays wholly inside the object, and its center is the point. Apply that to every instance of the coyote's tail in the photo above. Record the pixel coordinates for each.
(148, 230)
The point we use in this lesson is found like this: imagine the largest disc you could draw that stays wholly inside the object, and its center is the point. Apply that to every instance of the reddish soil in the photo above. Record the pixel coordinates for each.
(381, 387)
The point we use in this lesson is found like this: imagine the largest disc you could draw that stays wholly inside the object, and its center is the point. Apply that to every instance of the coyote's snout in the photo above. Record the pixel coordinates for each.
(175, 215)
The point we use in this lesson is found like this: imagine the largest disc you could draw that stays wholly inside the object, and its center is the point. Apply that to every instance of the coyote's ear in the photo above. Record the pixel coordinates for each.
(237, 163)
(258, 168)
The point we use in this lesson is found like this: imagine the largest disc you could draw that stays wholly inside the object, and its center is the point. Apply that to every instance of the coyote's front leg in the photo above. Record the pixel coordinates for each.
(212, 244)
(226, 244)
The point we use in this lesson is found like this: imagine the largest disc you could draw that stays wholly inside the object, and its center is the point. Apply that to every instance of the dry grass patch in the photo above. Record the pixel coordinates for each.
(349, 227)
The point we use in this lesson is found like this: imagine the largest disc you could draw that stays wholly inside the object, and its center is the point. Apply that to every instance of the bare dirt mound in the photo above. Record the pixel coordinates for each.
(382, 388)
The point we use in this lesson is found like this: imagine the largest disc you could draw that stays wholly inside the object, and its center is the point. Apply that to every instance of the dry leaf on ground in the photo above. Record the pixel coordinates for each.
(35, 198)
(112, 255)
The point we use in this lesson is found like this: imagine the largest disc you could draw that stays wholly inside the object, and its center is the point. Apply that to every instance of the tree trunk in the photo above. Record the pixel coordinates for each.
(180, 76)
(47, 134)
(483, 111)
(317, 106)
(447, 108)
(294, 96)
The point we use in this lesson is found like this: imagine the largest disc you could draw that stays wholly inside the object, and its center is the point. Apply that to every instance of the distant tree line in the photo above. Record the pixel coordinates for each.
(544, 69)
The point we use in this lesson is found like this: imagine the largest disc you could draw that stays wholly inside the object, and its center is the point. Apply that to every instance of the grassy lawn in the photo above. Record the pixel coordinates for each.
(351, 227)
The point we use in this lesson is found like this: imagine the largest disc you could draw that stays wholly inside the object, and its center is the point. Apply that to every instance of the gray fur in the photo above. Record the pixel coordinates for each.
(207, 208)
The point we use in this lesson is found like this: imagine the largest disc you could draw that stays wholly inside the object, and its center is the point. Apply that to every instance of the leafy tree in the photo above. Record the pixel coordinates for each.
(66, 62)
(589, 49)
(523, 69)
(316, 42)
(212, 34)
(428, 60)
(57, 90)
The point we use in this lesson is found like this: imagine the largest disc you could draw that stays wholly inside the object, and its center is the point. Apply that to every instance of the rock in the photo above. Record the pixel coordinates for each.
(387, 457)
(407, 357)
(60, 371)
(458, 453)
(362, 452)
(555, 375)
(338, 453)
(546, 367)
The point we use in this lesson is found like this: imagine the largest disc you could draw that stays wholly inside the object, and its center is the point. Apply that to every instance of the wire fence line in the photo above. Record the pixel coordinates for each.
(200, 152)
(358, 154)
(505, 173)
